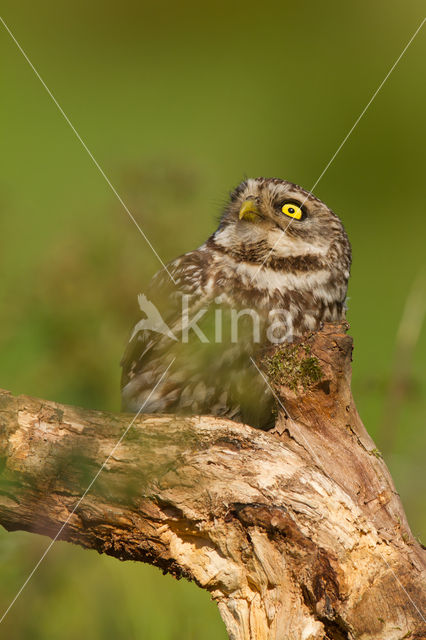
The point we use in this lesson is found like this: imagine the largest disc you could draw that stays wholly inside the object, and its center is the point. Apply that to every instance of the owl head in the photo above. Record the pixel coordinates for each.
(268, 219)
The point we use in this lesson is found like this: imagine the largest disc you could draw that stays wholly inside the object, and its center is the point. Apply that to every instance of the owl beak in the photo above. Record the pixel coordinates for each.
(249, 211)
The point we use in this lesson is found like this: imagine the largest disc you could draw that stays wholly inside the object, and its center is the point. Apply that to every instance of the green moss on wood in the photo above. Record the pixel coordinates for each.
(294, 367)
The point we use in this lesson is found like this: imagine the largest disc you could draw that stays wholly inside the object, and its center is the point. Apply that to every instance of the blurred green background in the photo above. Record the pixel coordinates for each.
(178, 102)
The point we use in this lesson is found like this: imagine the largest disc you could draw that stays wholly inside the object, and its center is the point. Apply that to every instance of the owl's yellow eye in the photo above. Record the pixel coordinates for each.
(292, 211)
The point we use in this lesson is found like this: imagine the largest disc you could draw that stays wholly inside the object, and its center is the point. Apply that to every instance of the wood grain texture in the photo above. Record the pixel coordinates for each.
(297, 533)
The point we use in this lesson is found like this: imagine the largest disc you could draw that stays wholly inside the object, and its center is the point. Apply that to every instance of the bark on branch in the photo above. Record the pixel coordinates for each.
(296, 533)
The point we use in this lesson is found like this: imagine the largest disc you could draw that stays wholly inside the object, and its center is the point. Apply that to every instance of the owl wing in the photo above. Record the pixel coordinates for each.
(203, 376)
(159, 330)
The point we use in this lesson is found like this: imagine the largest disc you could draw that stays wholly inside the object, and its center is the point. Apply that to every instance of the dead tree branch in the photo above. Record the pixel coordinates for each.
(296, 533)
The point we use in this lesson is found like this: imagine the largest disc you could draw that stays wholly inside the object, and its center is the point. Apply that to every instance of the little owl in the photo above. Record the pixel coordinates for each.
(276, 267)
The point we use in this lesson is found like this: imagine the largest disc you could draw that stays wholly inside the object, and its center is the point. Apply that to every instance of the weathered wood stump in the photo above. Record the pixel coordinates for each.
(297, 533)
